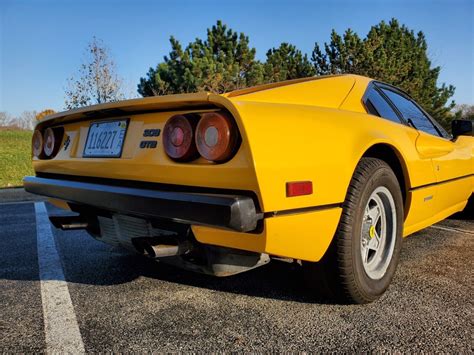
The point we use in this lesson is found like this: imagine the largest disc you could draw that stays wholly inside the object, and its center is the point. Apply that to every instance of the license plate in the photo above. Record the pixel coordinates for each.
(105, 139)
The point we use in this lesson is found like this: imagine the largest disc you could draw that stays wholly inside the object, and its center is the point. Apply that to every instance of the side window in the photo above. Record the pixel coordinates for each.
(378, 106)
(411, 112)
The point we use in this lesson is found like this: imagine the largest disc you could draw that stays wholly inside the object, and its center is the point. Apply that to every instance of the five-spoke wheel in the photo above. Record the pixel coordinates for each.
(378, 233)
(363, 256)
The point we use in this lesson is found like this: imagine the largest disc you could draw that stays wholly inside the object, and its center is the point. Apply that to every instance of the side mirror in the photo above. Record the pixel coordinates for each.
(462, 128)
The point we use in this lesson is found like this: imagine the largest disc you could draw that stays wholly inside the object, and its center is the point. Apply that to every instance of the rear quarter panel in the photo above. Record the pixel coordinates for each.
(297, 142)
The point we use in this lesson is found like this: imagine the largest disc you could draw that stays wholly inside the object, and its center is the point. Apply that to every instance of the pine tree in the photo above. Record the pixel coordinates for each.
(221, 63)
(286, 62)
(224, 61)
(393, 54)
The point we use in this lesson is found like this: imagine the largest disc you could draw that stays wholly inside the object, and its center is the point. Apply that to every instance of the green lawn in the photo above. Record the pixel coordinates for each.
(15, 157)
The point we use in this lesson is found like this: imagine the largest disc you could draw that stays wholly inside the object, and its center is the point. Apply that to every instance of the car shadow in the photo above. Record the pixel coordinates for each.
(95, 263)
(463, 216)
(276, 280)
(89, 262)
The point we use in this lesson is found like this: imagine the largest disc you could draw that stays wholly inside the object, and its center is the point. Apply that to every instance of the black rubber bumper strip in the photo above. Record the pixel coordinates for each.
(227, 211)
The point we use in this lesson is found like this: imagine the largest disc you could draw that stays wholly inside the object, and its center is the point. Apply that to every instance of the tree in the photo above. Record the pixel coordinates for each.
(26, 120)
(342, 55)
(222, 62)
(393, 54)
(44, 113)
(286, 62)
(5, 119)
(464, 112)
(97, 81)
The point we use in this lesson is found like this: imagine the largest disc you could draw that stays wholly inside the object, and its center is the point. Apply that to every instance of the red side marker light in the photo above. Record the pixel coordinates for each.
(299, 188)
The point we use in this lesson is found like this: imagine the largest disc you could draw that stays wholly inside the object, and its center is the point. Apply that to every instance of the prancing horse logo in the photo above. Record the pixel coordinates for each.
(67, 142)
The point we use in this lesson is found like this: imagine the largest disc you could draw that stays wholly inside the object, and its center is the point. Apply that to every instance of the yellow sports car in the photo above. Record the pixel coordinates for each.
(330, 172)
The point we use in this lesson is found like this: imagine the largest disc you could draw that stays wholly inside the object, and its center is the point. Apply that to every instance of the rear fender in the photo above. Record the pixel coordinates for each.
(300, 143)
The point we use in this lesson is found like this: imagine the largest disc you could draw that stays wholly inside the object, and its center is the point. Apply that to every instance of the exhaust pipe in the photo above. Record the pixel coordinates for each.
(69, 222)
(162, 250)
(152, 247)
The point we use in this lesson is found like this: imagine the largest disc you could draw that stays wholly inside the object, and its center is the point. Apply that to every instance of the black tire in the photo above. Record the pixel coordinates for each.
(469, 209)
(341, 275)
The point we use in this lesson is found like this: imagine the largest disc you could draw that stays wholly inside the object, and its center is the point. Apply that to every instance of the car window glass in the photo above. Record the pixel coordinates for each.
(411, 112)
(381, 107)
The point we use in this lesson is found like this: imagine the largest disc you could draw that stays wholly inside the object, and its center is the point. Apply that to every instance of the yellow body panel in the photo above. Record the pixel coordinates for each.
(147, 165)
(311, 129)
(304, 236)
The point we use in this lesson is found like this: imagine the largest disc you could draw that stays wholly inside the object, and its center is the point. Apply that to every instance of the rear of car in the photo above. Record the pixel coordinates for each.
(218, 184)
(139, 173)
(170, 176)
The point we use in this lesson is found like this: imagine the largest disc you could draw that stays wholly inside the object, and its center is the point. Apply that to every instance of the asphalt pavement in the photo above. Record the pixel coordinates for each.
(122, 302)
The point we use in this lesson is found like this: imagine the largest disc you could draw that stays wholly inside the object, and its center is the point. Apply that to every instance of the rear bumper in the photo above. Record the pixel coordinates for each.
(233, 212)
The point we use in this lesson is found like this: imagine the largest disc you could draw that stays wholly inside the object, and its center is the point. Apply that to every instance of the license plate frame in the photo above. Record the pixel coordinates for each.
(94, 152)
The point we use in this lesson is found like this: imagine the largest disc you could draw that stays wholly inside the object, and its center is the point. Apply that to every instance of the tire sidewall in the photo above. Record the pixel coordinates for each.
(370, 288)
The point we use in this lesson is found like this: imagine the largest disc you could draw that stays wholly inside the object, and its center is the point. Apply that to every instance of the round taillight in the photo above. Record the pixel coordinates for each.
(49, 142)
(217, 137)
(178, 138)
(37, 143)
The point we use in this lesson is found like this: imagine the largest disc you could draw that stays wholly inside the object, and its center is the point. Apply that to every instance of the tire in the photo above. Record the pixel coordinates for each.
(362, 258)
(469, 209)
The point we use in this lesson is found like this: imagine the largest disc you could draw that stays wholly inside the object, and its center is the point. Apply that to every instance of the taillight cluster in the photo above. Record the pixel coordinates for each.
(178, 137)
(46, 145)
(212, 135)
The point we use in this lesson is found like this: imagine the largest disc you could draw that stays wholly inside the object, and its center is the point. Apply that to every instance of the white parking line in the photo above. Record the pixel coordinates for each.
(60, 324)
(453, 229)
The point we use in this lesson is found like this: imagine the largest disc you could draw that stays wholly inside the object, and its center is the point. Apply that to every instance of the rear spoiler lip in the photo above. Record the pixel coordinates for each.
(133, 106)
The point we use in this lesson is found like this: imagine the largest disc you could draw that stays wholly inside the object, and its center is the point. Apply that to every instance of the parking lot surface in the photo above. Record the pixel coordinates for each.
(123, 302)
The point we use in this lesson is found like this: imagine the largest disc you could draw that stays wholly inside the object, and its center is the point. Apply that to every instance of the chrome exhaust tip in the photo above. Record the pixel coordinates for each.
(69, 222)
(160, 247)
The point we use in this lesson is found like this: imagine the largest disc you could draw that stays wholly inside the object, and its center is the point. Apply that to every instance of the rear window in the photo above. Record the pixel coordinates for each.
(378, 106)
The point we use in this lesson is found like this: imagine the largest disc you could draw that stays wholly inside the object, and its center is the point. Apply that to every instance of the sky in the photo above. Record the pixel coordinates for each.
(42, 42)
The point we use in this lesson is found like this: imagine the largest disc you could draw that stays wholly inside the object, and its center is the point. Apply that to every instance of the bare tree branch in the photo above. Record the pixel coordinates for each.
(97, 81)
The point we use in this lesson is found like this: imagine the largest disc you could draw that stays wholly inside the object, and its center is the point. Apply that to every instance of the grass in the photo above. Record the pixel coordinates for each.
(15, 156)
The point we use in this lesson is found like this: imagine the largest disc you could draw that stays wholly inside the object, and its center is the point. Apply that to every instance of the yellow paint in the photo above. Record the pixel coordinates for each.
(304, 236)
(313, 129)
(372, 232)
(429, 146)
(421, 208)
(59, 203)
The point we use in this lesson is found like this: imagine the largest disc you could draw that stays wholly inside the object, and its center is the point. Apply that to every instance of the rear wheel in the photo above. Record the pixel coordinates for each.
(469, 209)
(362, 259)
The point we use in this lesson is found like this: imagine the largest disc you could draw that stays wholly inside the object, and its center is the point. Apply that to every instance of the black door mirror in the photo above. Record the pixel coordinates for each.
(461, 128)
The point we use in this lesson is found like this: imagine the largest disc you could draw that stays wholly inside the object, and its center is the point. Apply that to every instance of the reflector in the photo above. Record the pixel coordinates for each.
(299, 188)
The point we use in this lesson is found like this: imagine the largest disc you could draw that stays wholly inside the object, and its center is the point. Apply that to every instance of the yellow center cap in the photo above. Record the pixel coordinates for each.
(372, 232)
